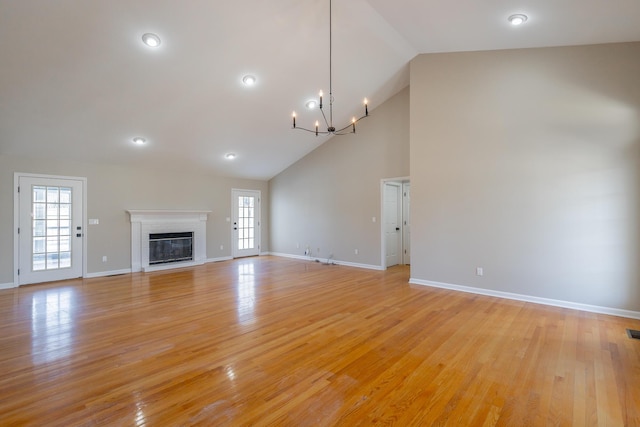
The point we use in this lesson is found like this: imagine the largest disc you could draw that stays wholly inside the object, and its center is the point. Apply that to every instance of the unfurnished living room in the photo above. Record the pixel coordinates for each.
(319, 213)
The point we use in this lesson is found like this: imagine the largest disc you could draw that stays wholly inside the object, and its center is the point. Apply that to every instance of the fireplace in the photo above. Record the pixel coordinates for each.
(163, 239)
(165, 248)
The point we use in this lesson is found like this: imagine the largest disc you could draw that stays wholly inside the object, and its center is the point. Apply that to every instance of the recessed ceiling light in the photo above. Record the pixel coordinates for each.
(249, 80)
(151, 40)
(139, 140)
(230, 156)
(517, 19)
(311, 104)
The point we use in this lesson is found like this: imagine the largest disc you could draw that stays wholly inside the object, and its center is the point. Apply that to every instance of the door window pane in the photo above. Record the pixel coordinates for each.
(52, 227)
(52, 194)
(65, 195)
(38, 245)
(52, 244)
(65, 211)
(39, 227)
(65, 227)
(39, 194)
(52, 261)
(39, 211)
(53, 210)
(65, 259)
(39, 262)
(65, 244)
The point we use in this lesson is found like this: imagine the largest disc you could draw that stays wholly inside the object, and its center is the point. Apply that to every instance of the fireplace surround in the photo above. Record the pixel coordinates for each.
(147, 222)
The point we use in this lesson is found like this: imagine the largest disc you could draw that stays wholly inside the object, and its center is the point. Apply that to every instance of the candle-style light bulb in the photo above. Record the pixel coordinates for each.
(294, 119)
(317, 124)
(320, 99)
(353, 123)
(366, 107)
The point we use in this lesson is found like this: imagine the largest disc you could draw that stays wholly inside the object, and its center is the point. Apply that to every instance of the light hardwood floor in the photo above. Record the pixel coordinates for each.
(274, 341)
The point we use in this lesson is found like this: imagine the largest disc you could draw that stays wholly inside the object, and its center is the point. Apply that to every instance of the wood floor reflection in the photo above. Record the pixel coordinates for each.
(270, 341)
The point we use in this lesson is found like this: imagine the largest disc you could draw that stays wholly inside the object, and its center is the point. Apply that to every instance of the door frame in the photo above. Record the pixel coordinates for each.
(395, 188)
(16, 219)
(406, 223)
(383, 238)
(257, 217)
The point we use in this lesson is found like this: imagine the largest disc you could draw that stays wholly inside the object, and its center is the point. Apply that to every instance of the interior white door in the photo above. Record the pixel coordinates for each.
(246, 222)
(392, 211)
(50, 229)
(406, 223)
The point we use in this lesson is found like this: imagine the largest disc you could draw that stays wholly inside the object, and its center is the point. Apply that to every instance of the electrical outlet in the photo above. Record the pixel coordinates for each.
(479, 271)
(221, 247)
(355, 251)
(104, 258)
(297, 245)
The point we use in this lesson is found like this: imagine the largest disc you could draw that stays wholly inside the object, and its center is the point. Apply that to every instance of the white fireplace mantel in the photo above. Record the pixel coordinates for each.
(149, 221)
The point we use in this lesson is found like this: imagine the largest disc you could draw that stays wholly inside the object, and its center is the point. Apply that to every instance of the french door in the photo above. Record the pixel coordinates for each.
(245, 205)
(50, 228)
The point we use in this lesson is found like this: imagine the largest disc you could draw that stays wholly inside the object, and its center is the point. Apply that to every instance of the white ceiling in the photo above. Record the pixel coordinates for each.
(76, 82)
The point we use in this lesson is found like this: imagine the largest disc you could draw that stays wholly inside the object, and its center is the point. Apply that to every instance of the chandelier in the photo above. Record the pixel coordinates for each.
(331, 129)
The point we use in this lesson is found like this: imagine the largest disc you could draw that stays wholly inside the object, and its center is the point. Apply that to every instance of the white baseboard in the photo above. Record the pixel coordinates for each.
(7, 285)
(528, 298)
(224, 258)
(107, 273)
(354, 264)
(332, 261)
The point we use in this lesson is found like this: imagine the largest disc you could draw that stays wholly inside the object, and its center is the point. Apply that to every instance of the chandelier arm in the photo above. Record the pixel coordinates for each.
(305, 129)
(350, 125)
(339, 131)
(312, 130)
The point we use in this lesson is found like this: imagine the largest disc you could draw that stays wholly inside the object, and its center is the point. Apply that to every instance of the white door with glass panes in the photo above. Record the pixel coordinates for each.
(245, 205)
(50, 229)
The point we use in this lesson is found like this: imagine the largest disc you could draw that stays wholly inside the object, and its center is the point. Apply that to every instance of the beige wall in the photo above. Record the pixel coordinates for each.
(113, 189)
(526, 163)
(327, 199)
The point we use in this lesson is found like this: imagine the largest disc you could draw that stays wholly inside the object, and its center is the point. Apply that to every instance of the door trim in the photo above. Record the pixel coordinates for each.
(393, 193)
(16, 219)
(406, 223)
(383, 239)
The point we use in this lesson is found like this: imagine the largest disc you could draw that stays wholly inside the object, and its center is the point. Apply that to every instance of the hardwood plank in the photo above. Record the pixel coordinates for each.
(273, 341)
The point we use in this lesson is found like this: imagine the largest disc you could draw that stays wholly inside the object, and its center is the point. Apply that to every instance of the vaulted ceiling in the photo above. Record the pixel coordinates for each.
(77, 83)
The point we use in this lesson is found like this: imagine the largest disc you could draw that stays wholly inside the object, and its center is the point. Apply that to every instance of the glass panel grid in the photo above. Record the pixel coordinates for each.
(51, 228)
(245, 222)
